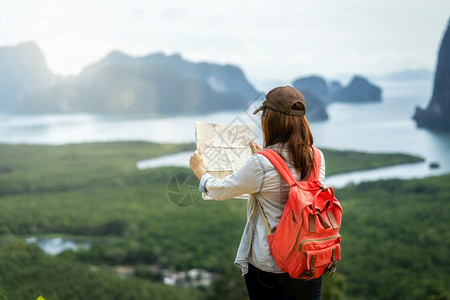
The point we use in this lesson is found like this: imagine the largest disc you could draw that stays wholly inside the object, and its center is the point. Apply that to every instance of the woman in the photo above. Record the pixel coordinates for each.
(286, 130)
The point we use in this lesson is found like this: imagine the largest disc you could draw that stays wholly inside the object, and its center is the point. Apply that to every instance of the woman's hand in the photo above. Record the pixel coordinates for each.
(197, 165)
(255, 147)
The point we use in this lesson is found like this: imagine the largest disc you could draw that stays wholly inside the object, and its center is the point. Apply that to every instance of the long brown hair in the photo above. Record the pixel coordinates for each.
(293, 131)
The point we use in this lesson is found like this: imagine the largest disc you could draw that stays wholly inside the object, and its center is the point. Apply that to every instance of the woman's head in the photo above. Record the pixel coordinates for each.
(283, 122)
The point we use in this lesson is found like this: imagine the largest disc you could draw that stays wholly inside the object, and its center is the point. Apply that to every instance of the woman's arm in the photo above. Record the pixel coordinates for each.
(322, 168)
(246, 180)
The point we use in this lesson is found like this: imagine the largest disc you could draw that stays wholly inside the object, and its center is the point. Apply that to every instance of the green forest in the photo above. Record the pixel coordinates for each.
(395, 235)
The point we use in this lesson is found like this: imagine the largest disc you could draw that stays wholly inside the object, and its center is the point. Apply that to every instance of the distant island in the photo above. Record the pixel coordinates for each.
(319, 93)
(437, 115)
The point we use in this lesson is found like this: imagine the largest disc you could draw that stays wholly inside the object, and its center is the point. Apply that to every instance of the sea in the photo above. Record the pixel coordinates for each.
(377, 127)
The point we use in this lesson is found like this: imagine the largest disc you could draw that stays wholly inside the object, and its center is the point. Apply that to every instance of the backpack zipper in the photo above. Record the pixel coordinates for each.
(317, 240)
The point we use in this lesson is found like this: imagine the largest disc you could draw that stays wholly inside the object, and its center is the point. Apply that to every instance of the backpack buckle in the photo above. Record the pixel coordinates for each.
(333, 264)
(308, 274)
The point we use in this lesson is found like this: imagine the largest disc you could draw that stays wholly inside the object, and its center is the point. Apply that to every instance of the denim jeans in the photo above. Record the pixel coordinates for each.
(265, 285)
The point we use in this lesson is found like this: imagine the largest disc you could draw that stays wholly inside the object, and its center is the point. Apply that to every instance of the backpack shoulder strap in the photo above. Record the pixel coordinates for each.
(315, 172)
(279, 164)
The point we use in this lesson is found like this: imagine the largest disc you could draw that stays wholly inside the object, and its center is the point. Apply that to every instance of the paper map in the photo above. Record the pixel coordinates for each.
(225, 148)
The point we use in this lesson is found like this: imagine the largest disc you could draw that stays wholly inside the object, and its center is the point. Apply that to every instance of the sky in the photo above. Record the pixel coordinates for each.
(269, 40)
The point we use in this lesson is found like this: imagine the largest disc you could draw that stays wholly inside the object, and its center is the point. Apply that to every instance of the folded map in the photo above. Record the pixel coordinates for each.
(225, 148)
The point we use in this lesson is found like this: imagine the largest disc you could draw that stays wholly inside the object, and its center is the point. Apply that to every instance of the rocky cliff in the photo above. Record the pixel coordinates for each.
(23, 70)
(437, 115)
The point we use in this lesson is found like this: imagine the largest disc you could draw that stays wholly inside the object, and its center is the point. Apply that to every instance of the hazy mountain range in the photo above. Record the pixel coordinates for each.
(119, 84)
(152, 85)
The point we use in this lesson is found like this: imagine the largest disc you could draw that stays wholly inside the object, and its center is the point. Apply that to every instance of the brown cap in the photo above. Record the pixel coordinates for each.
(282, 99)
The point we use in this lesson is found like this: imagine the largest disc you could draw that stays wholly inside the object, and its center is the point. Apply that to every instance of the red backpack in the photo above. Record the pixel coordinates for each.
(306, 242)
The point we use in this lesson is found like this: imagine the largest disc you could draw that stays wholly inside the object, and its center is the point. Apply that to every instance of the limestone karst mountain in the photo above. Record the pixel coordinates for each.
(437, 115)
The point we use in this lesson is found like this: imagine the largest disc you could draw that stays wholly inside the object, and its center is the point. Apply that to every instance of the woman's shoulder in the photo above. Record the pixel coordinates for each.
(320, 152)
(260, 160)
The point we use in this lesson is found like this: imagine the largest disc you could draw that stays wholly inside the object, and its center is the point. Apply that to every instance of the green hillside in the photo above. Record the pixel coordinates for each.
(26, 273)
(95, 192)
(396, 239)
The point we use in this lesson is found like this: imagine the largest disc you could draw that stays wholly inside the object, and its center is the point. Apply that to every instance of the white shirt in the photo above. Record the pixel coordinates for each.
(259, 178)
